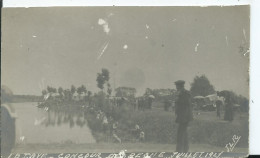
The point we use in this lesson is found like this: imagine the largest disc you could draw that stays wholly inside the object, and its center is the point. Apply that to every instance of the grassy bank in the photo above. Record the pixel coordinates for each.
(160, 127)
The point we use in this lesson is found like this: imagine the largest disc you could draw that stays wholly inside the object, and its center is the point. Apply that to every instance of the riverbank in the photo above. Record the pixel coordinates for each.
(109, 123)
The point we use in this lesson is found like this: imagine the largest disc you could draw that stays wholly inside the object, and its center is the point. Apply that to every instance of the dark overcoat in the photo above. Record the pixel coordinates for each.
(183, 107)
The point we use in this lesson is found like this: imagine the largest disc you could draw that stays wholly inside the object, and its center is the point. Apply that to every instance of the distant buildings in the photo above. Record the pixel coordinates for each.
(126, 92)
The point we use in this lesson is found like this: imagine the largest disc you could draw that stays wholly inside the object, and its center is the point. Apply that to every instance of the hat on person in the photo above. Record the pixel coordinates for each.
(179, 82)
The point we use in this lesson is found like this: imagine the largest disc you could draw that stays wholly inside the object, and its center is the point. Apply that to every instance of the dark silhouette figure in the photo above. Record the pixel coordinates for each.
(229, 112)
(7, 119)
(218, 105)
(229, 104)
(183, 111)
(7, 130)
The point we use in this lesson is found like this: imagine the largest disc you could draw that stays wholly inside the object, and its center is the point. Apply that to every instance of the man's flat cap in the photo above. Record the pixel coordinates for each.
(179, 82)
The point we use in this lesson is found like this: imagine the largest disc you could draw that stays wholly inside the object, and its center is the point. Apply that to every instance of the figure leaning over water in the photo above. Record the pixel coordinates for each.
(183, 110)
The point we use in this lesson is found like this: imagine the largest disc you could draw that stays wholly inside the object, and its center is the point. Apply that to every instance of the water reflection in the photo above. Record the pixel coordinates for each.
(55, 125)
(73, 116)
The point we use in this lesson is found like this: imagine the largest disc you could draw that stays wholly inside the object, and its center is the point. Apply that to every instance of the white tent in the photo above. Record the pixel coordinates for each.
(212, 97)
(199, 97)
(151, 96)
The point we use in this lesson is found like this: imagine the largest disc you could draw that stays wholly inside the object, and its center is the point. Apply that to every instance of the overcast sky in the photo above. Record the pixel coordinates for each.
(141, 46)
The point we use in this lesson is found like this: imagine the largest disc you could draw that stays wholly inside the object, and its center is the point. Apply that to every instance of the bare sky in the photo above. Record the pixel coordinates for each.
(141, 46)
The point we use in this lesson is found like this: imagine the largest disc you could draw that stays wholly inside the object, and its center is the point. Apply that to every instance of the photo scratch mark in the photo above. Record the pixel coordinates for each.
(104, 23)
(196, 47)
(125, 46)
(227, 40)
(101, 22)
(246, 52)
(244, 32)
(174, 20)
(103, 50)
(106, 29)
(147, 26)
(110, 14)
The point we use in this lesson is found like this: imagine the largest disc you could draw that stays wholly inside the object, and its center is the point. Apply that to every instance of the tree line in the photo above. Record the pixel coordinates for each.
(200, 86)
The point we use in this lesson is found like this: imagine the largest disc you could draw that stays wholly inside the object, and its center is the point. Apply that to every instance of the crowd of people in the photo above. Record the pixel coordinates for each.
(140, 103)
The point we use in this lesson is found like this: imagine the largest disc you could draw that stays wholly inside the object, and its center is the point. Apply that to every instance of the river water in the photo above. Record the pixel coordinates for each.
(39, 126)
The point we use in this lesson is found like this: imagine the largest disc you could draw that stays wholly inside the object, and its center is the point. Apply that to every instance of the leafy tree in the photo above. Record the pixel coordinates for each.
(49, 89)
(102, 78)
(84, 89)
(54, 90)
(201, 86)
(100, 81)
(109, 89)
(105, 74)
(67, 94)
(89, 97)
(243, 102)
(148, 92)
(228, 95)
(73, 89)
(60, 91)
(79, 90)
(44, 92)
(232, 97)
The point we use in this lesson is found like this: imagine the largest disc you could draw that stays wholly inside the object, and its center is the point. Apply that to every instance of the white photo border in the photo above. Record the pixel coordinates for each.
(254, 137)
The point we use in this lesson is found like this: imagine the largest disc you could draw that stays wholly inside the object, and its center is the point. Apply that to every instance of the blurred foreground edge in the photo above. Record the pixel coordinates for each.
(8, 117)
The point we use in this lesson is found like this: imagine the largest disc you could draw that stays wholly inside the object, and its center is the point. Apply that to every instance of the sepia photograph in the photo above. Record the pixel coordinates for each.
(136, 82)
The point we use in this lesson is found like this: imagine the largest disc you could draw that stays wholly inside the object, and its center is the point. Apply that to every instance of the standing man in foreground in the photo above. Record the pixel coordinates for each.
(183, 110)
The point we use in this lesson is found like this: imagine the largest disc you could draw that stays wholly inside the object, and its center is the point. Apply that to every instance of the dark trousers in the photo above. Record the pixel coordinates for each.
(218, 111)
(229, 115)
(182, 138)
